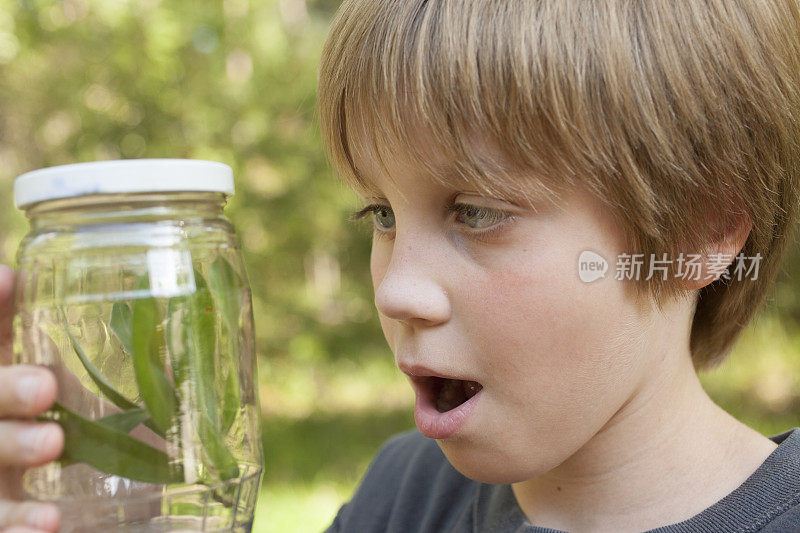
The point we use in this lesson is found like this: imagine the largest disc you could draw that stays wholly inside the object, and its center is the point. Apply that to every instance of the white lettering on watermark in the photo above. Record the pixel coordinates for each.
(592, 266)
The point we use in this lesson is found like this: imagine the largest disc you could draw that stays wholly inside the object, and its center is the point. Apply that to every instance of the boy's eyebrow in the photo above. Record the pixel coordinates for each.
(447, 170)
(450, 175)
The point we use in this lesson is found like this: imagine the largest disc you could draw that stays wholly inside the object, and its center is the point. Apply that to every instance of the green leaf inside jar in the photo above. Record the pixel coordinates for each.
(171, 355)
(147, 344)
(110, 450)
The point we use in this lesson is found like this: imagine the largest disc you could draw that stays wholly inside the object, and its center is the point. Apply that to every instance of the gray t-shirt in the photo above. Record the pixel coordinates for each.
(411, 487)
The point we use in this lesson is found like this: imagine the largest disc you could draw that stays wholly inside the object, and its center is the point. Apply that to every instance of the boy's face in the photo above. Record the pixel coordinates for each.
(555, 357)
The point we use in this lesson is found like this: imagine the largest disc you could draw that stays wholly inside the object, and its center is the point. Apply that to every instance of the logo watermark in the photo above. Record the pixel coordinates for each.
(593, 266)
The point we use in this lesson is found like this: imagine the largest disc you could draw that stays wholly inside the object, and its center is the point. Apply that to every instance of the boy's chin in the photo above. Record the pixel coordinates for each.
(484, 464)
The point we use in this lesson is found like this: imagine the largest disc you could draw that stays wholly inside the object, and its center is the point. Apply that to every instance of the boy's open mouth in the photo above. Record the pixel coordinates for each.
(446, 393)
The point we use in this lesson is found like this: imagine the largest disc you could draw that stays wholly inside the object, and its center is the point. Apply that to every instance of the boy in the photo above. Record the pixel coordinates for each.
(504, 150)
(507, 153)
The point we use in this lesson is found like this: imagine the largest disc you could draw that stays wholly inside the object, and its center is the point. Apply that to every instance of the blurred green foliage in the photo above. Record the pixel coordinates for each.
(234, 81)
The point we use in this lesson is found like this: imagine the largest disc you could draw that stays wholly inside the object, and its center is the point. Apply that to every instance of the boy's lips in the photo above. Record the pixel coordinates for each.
(443, 401)
(414, 371)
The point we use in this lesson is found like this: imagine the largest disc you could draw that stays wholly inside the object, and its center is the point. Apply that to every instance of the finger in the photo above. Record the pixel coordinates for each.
(29, 443)
(26, 391)
(6, 312)
(29, 516)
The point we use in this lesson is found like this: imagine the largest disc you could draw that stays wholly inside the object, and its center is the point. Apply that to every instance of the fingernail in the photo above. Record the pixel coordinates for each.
(42, 516)
(33, 438)
(28, 389)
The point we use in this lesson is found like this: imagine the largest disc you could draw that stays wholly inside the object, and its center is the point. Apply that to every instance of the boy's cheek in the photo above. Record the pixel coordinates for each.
(555, 322)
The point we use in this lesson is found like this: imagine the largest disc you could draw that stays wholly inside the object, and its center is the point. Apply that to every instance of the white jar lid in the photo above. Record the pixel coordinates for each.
(123, 176)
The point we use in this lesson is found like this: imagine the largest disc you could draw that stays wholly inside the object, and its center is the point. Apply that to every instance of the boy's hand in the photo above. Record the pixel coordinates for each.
(25, 391)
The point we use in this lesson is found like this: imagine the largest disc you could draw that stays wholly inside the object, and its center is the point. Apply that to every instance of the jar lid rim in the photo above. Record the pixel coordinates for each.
(122, 176)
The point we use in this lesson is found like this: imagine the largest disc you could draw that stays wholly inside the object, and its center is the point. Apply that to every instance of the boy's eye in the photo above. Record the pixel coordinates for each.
(481, 219)
(384, 216)
(477, 217)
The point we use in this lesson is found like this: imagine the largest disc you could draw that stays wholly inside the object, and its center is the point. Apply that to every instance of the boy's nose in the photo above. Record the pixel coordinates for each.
(409, 286)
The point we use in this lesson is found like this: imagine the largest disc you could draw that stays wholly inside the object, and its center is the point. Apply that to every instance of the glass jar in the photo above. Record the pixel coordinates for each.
(132, 290)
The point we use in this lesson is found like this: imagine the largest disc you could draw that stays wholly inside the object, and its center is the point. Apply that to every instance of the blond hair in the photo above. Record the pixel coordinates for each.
(678, 116)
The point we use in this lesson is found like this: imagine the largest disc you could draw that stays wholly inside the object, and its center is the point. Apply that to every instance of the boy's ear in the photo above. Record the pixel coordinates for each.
(720, 251)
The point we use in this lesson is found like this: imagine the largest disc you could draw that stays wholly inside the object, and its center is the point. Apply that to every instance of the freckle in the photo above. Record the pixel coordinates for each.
(557, 487)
